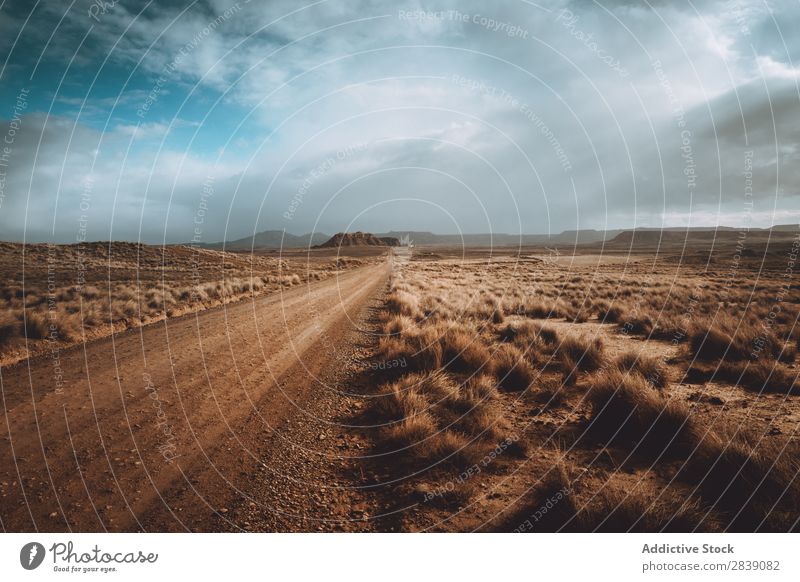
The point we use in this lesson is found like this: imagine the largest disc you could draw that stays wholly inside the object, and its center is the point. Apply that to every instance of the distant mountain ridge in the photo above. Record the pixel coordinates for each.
(702, 236)
(276, 239)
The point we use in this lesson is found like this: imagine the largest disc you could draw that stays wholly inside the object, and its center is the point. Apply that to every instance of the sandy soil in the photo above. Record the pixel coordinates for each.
(167, 427)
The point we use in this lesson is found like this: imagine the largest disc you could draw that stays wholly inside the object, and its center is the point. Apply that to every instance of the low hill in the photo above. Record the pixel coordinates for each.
(271, 239)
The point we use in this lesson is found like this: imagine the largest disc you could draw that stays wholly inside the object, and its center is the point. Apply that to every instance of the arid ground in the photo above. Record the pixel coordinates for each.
(425, 389)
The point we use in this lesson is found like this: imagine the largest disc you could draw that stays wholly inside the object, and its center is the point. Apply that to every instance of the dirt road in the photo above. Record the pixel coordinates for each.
(162, 428)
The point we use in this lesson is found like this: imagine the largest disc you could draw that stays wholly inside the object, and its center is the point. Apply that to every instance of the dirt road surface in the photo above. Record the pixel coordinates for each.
(163, 428)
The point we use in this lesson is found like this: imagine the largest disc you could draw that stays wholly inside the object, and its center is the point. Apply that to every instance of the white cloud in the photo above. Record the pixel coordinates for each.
(292, 86)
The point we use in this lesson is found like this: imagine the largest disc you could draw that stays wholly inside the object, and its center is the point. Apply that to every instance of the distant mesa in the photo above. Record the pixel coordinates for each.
(359, 239)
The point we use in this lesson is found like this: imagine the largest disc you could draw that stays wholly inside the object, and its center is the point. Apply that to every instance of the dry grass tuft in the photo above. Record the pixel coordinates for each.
(627, 409)
(463, 352)
(403, 303)
(580, 353)
(9, 327)
(750, 477)
(435, 421)
(650, 368)
(512, 369)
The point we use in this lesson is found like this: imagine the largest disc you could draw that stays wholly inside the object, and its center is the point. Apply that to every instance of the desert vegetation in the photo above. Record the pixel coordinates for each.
(646, 395)
(63, 294)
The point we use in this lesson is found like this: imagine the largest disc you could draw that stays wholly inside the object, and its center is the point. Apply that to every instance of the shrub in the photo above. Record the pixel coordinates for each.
(464, 352)
(619, 509)
(403, 303)
(512, 370)
(763, 376)
(754, 480)
(625, 408)
(410, 432)
(581, 353)
(36, 325)
(711, 344)
(9, 327)
(479, 389)
(640, 325)
(397, 324)
(606, 314)
(523, 334)
(650, 368)
(548, 335)
(420, 349)
(540, 310)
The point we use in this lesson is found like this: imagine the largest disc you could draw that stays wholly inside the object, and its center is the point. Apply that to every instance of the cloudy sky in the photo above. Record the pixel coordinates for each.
(215, 119)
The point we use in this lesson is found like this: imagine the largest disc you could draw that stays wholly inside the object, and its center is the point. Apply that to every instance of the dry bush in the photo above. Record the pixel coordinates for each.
(644, 510)
(649, 367)
(627, 409)
(479, 389)
(402, 399)
(36, 325)
(638, 325)
(90, 292)
(609, 314)
(464, 352)
(487, 310)
(538, 309)
(412, 431)
(762, 376)
(579, 316)
(752, 478)
(68, 327)
(9, 327)
(734, 341)
(398, 324)
(548, 335)
(670, 326)
(708, 343)
(512, 369)
(524, 332)
(766, 376)
(498, 316)
(580, 353)
(420, 348)
(551, 393)
(561, 503)
(431, 417)
(403, 303)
